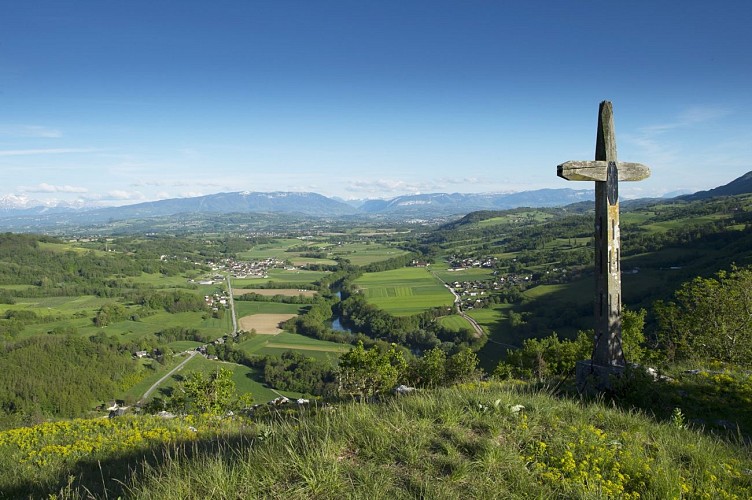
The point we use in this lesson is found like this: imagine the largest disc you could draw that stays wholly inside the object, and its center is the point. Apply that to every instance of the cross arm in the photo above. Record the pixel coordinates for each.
(597, 171)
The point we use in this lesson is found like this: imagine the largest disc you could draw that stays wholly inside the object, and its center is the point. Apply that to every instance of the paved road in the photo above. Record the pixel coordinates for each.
(458, 301)
(232, 308)
(156, 384)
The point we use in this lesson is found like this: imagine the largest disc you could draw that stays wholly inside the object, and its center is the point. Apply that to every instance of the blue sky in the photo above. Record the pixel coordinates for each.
(120, 102)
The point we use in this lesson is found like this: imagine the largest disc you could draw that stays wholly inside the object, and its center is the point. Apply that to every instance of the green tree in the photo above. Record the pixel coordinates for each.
(461, 366)
(542, 358)
(368, 372)
(214, 394)
(430, 370)
(632, 335)
(709, 318)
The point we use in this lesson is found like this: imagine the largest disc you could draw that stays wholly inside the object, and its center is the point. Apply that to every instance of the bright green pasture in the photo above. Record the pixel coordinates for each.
(247, 308)
(159, 280)
(310, 347)
(405, 291)
(246, 379)
(280, 276)
(273, 250)
(302, 261)
(134, 330)
(663, 226)
(454, 323)
(514, 218)
(275, 345)
(68, 247)
(154, 371)
(64, 305)
(491, 318)
(183, 345)
(470, 274)
(361, 254)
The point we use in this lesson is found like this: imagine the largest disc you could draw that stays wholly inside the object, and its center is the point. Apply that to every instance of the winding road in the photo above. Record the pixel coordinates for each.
(192, 353)
(166, 376)
(458, 302)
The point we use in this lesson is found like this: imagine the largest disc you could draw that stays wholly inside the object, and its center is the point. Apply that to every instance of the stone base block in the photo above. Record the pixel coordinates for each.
(592, 377)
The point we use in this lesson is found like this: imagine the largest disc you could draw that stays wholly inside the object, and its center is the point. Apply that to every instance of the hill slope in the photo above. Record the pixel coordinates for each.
(740, 185)
(483, 440)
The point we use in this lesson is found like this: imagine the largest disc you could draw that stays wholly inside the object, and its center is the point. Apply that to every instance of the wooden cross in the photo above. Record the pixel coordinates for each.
(606, 172)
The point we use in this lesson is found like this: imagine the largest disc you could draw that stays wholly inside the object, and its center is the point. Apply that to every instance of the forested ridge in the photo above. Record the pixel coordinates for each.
(59, 375)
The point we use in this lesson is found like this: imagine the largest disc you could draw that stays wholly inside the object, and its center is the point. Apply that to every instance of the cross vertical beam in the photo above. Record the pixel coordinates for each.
(607, 350)
(606, 172)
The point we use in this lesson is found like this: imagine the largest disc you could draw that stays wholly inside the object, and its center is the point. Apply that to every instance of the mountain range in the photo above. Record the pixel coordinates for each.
(17, 212)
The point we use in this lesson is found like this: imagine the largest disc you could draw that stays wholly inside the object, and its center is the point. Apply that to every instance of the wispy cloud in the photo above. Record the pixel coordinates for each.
(49, 151)
(385, 186)
(119, 194)
(30, 131)
(690, 117)
(51, 188)
(653, 141)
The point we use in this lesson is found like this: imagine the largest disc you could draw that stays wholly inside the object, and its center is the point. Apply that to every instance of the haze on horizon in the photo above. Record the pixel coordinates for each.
(124, 102)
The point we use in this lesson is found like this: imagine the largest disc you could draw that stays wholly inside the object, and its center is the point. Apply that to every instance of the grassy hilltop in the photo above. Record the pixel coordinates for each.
(477, 440)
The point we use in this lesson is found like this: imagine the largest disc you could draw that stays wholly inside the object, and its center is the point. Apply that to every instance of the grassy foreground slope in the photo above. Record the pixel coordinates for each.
(487, 440)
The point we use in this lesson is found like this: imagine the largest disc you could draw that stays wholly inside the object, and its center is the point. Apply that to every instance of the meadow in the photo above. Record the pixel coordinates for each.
(477, 440)
(405, 291)
(275, 275)
(362, 254)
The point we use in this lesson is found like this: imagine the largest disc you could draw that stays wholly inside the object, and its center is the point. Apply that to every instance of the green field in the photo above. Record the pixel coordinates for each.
(247, 308)
(405, 291)
(133, 330)
(514, 218)
(274, 250)
(153, 372)
(161, 281)
(280, 276)
(454, 323)
(470, 274)
(65, 305)
(362, 254)
(277, 344)
(246, 379)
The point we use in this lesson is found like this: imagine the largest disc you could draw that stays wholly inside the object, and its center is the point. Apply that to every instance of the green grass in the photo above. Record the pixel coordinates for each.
(276, 345)
(405, 291)
(161, 281)
(276, 250)
(470, 274)
(454, 323)
(183, 345)
(281, 276)
(152, 371)
(487, 440)
(362, 254)
(247, 308)
(65, 305)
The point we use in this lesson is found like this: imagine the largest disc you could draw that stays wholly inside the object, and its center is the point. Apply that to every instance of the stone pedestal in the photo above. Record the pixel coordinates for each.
(592, 377)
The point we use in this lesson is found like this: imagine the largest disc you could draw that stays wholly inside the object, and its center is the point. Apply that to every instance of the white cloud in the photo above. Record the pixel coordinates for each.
(50, 188)
(119, 194)
(386, 186)
(692, 116)
(29, 131)
(190, 194)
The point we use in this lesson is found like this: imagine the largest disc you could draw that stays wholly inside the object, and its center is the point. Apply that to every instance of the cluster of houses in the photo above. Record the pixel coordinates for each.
(202, 349)
(245, 269)
(219, 299)
(472, 292)
(458, 264)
